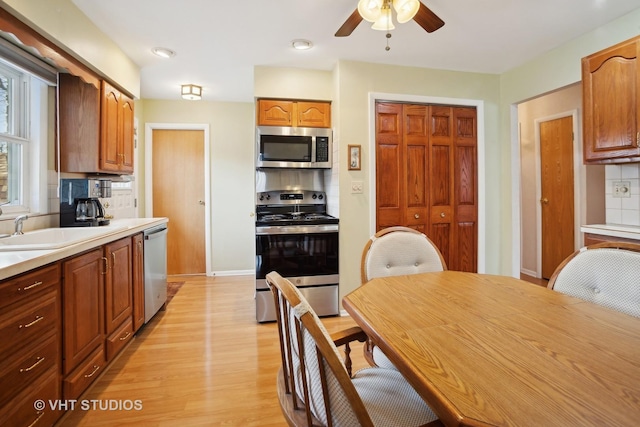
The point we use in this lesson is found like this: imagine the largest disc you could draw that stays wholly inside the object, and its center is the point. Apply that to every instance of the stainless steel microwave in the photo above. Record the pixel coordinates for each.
(294, 147)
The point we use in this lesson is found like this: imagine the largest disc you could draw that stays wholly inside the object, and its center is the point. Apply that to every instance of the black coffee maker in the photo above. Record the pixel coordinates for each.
(79, 203)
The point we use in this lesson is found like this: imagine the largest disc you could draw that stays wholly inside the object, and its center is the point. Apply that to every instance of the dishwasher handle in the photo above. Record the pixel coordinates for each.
(154, 234)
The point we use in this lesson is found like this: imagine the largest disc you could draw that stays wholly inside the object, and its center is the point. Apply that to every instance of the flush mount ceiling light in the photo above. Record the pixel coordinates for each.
(191, 92)
(301, 44)
(163, 52)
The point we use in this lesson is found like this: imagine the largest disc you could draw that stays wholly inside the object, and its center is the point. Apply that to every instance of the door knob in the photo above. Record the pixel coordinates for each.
(544, 200)
(201, 202)
(442, 215)
(416, 216)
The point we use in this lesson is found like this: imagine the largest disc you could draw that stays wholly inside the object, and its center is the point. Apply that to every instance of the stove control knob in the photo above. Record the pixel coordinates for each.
(315, 196)
(261, 197)
(320, 197)
(268, 196)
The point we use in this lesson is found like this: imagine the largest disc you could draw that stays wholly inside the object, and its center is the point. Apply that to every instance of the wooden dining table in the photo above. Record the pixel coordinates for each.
(488, 350)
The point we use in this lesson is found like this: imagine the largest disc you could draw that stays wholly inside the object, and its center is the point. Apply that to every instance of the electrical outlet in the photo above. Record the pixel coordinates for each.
(621, 189)
(356, 187)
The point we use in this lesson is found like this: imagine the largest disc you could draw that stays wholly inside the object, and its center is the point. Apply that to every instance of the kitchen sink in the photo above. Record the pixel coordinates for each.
(53, 238)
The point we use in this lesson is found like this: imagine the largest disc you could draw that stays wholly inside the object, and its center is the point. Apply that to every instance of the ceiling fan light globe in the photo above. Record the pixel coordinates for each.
(406, 9)
(385, 22)
(370, 10)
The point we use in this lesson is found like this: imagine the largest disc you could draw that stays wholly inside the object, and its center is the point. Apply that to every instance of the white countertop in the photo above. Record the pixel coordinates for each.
(17, 262)
(614, 230)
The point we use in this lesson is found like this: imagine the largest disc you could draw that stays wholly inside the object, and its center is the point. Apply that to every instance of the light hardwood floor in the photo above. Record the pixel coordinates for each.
(202, 362)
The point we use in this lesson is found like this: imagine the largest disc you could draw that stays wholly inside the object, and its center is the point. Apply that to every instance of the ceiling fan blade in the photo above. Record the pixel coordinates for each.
(349, 25)
(427, 19)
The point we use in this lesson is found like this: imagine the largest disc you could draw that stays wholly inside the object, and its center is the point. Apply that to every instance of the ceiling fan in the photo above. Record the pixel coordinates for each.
(379, 12)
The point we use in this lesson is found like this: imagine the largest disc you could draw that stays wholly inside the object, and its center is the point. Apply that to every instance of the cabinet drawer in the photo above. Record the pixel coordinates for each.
(27, 365)
(29, 284)
(21, 412)
(23, 323)
(78, 380)
(119, 338)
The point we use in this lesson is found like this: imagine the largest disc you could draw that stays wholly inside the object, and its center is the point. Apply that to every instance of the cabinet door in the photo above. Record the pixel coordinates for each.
(79, 115)
(126, 132)
(119, 284)
(109, 155)
(275, 112)
(83, 302)
(313, 114)
(611, 81)
(138, 281)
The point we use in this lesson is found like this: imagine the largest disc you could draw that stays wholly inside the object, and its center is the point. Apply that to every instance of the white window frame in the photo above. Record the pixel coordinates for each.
(29, 115)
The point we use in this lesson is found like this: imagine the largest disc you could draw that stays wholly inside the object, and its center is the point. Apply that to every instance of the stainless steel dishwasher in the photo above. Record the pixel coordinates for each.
(155, 270)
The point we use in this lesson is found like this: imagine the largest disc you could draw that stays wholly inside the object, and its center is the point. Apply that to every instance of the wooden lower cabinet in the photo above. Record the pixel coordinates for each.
(118, 284)
(119, 339)
(30, 331)
(22, 411)
(592, 239)
(78, 380)
(83, 313)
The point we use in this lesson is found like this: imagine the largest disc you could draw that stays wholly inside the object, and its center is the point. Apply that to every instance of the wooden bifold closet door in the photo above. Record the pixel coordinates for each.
(426, 176)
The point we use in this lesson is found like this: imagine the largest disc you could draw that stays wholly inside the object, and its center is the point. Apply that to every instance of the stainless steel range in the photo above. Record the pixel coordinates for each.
(296, 238)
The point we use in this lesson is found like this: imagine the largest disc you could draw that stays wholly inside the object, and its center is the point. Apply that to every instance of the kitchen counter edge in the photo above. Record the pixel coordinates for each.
(613, 230)
(38, 258)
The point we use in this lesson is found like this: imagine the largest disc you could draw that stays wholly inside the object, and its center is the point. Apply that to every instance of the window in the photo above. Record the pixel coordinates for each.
(23, 141)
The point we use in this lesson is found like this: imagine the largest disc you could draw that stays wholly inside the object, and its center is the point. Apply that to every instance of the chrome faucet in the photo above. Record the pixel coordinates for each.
(18, 221)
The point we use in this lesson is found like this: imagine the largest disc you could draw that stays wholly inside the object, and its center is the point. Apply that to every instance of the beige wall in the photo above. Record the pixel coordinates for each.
(560, 103)
(231, 127)
(63, 22)
(556, 69)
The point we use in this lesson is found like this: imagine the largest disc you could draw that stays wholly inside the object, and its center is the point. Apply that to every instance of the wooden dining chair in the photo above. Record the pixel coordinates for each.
(605, 273)
(314, 387)
(396, 251)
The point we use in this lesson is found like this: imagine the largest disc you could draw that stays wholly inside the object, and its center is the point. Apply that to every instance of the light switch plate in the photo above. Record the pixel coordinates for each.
(621, 189)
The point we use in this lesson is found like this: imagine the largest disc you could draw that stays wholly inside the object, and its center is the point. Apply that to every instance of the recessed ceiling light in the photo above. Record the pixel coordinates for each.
(163, 52)
(301, 44)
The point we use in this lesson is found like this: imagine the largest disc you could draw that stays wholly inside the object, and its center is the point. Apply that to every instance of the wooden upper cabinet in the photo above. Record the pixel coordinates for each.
(116, 152)
(280, 112)
(611, 81)
(96, 128)
(79, 114)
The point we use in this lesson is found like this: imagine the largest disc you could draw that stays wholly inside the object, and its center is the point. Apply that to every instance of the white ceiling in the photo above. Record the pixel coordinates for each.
(219, 42)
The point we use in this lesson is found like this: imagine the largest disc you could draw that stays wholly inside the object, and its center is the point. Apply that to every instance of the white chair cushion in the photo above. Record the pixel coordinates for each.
(382, 360)
(400, 253)
(390, 399)
(609, 277)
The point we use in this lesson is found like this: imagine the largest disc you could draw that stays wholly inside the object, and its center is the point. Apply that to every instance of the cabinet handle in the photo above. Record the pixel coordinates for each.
(125, 337)
(416, 216)
(33, 285)
(40, 415)
(113, 259)
(95, 369)
(106, 265)
(638, 138)
(39, 361)
(30, 324)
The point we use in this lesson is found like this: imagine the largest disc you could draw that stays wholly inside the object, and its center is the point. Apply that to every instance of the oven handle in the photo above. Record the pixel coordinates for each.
(296, 229)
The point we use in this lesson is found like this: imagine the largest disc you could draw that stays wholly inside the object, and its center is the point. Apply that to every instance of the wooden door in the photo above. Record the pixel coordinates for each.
(426, 174)
(178, 194)
(557, 202)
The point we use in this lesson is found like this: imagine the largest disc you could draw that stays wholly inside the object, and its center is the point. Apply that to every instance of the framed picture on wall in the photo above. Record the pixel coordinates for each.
(354, 157)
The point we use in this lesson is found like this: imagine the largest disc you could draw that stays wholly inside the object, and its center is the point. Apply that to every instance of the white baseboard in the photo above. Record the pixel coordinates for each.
(233, 273)
(529, 273)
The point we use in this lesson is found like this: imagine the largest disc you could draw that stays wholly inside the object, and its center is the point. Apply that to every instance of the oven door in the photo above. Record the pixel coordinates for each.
(297, 251)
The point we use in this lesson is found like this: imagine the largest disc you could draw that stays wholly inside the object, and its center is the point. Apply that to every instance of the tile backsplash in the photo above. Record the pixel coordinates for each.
(623, 210)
